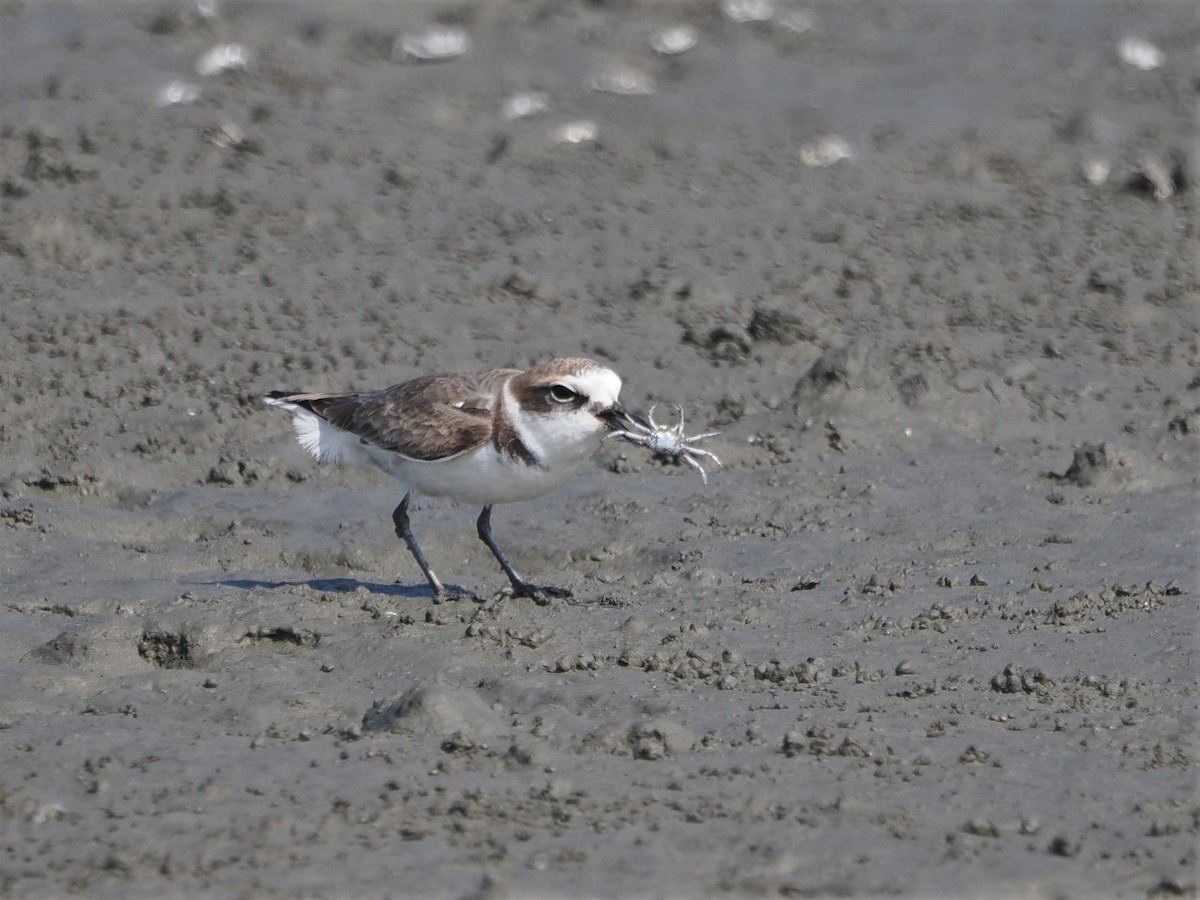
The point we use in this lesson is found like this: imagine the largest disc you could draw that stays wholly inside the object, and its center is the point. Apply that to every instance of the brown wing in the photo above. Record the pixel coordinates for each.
(428, 418)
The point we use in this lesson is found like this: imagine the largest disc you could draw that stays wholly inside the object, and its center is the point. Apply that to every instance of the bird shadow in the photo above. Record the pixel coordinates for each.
(327, 585)
(351, 585)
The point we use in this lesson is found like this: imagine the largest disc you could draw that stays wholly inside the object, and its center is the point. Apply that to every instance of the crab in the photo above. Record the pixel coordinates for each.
(669, 440)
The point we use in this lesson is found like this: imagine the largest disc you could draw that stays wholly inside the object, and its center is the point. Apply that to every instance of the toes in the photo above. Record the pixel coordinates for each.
(541, 594)
(452, 594)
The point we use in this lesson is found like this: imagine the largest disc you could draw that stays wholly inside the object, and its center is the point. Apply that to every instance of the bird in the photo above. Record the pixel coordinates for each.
(483, 438)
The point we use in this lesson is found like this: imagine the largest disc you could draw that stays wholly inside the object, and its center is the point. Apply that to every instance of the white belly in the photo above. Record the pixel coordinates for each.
(481, 476)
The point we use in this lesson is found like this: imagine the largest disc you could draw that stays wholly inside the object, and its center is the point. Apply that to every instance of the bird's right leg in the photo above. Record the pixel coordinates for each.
(539, 594)
(404, 532)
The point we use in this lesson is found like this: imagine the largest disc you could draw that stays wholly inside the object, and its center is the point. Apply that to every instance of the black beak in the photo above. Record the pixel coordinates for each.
(618, 418)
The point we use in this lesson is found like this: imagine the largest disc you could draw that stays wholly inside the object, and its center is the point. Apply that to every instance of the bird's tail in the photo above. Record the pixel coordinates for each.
(326, 442)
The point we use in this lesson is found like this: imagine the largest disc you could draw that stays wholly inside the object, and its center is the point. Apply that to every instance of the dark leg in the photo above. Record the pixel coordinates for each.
(521, 588)
(404, 532)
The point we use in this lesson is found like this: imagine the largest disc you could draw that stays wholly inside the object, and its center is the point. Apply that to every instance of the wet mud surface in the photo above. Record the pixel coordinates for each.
(930, 632)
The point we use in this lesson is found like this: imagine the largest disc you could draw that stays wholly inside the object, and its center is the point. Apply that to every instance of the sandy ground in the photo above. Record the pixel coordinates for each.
(932, 631)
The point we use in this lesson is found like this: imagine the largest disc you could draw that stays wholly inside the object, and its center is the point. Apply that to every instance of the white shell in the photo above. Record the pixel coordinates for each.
(524, 104)
(176, 93)
(619, 79)
(581, 131)
(671, 41)
(748, 10)
(797, 21)
(1156, 172)
(435, 43)
(225, 134)
(1096, 170)
(223, 58)
(826, 151)
(1140, 53)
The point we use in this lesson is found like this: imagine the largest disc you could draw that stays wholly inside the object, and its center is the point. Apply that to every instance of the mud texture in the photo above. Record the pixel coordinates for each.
(931, 632)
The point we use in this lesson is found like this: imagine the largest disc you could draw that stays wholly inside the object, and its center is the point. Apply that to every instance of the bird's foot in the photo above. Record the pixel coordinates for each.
(540, 594)
(443, 594)
(452, 594)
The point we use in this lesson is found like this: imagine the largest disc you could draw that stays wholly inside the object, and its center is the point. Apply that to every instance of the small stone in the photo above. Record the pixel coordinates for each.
(458, 742)
(974, 755)
(1062, 845)
(793, 743)
(982, 828)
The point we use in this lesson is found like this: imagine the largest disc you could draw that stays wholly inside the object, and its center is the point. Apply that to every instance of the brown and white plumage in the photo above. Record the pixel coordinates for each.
(480, 437)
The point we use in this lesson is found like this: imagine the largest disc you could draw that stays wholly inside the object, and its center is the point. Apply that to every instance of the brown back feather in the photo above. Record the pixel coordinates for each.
(429, 418)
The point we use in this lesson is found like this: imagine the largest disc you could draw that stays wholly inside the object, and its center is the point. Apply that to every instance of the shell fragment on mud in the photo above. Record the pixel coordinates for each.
(1140, 53)
(524, 104)
(675, 40)
(622, 79)
(826, 151)
(176, 93)
(579, 131)
(748, 10)
(224, 134)
(223, 58)
(1096, 170)
(1154, 177)
(797, 21)
(434, 44)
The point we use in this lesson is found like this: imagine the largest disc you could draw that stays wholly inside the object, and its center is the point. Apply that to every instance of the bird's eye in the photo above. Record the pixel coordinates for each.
(562, 394)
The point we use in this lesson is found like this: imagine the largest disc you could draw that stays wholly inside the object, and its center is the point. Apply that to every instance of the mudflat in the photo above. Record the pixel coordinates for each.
(932, 271)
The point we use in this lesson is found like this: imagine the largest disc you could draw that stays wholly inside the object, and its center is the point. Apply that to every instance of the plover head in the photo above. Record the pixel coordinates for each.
(567, 405)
